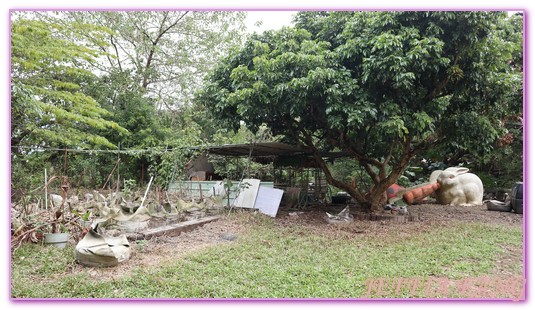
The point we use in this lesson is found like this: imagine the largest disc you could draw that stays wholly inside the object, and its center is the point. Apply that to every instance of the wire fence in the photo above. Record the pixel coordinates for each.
(103, 151)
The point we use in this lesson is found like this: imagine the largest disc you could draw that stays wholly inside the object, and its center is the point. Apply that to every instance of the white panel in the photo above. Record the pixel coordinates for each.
(268, 200)
(247, 195)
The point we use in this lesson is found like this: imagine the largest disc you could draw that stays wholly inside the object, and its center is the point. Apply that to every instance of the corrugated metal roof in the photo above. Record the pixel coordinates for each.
(262, 149)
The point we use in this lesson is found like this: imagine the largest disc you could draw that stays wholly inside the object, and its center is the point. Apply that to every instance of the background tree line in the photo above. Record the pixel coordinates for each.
(392, 88)
(112, 81)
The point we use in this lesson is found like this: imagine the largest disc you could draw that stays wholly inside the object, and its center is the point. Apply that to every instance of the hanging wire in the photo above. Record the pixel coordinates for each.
(90, 151)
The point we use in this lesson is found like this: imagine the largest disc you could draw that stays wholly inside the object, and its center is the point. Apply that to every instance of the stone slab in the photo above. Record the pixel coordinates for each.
(172, 230)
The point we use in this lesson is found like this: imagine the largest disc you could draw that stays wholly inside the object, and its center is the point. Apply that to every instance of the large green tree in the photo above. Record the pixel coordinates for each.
(381, 86)
(47, 71)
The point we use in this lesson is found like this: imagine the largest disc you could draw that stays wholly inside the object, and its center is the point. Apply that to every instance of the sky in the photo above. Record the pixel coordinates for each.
(273, 20)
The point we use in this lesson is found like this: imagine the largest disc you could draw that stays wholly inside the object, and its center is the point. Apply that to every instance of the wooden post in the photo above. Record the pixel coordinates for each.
(111, 173)
(65, 163)
(46, 191)
(146, 191)
(118, 188)
(142, 173)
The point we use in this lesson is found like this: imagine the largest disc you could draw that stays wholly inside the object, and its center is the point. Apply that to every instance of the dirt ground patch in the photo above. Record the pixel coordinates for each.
(480, 214)
(430, 216)
(161, 250)
(165, 249)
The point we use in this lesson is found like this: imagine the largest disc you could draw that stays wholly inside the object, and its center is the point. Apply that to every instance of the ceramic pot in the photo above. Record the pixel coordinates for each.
(57, 239)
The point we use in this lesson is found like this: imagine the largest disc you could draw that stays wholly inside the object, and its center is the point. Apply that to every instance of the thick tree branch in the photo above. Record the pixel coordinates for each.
(389, 156)
(155, 42)
(370, 172)
(353, 191)
(379, 189)
(116, 53)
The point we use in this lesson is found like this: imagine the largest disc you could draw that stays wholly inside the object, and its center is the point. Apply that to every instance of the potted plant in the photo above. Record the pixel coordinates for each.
(58, 239)
(59, 234)
(53, 226)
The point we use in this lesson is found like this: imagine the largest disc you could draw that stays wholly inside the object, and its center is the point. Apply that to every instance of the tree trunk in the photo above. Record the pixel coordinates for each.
(372, 202)
(377, 198)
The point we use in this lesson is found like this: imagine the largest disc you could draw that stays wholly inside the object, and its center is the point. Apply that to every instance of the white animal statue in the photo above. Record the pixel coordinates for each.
(458, 187)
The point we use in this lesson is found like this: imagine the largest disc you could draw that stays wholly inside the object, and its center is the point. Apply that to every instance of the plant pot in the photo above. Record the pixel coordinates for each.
(57, 239)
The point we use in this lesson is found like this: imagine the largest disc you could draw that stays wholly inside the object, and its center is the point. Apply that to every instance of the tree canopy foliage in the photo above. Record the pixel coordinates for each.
(381, 86)
(164, 53)
(47, 72)
(119, 80)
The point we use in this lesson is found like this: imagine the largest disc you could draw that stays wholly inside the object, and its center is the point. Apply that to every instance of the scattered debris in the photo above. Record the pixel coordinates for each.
(57, 200)
(342, 218)
(58, 240)
(496, 205)
(295, 213)
(251, 195)
(218, 189)
(396, 209)
(117, 212)
(389, 206)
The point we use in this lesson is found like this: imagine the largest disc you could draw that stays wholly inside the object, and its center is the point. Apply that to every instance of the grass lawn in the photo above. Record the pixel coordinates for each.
(268, 260)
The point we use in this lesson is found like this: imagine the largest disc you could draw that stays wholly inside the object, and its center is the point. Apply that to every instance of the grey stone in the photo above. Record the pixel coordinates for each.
(228, 237)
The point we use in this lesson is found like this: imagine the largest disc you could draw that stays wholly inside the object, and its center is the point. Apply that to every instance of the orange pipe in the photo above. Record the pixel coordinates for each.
(420, 193)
